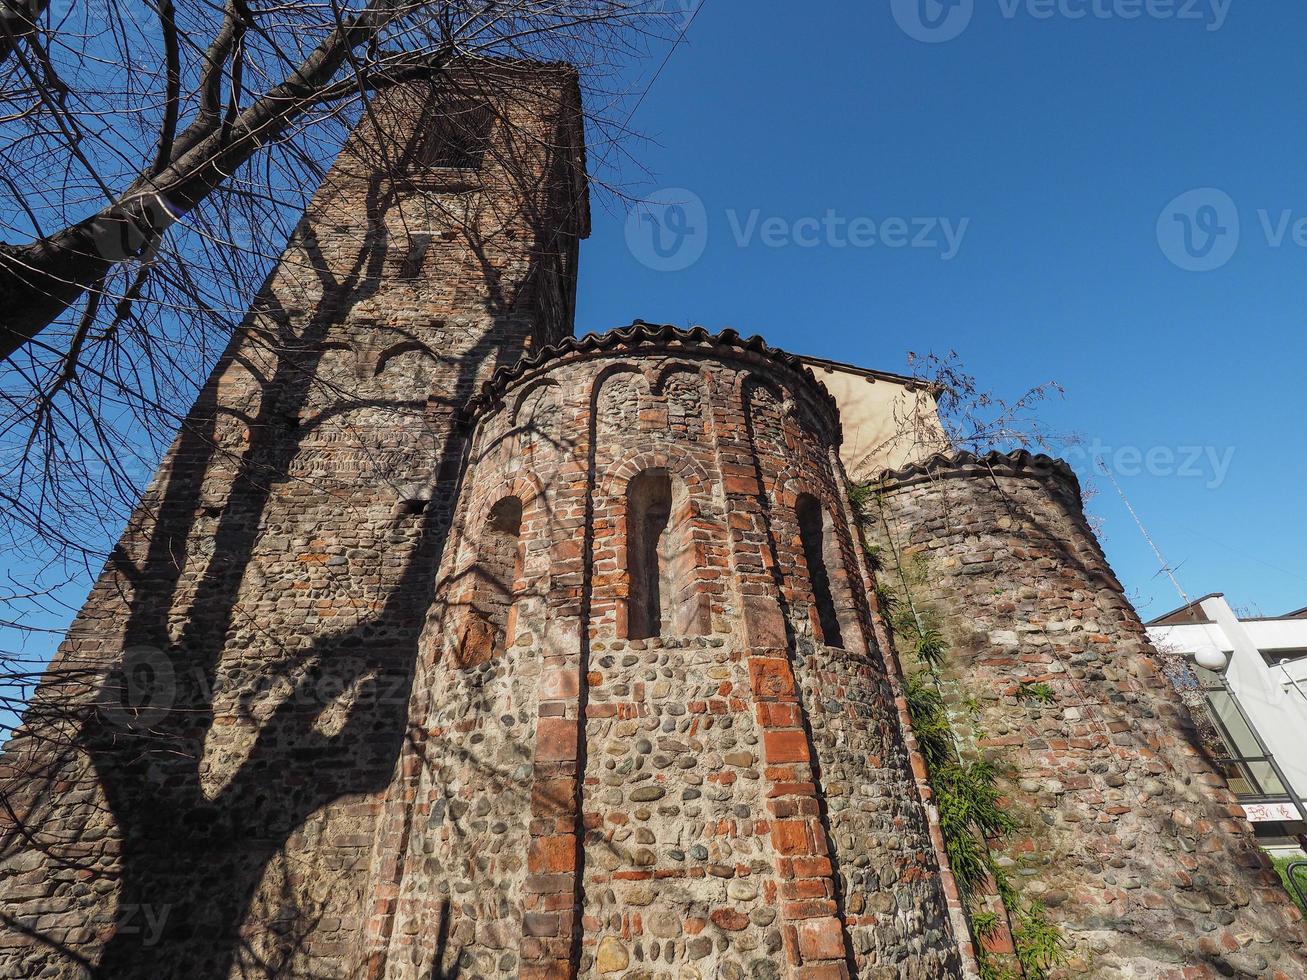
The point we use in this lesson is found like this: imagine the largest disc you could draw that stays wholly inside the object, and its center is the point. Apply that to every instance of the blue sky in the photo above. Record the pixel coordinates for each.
(1060, 142)
(1034, 157)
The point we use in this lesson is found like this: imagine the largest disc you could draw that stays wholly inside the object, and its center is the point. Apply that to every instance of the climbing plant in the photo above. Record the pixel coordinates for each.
(967, 789)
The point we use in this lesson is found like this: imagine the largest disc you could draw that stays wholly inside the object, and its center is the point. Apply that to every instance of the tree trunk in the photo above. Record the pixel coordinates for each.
(17, 20)
(40, 280)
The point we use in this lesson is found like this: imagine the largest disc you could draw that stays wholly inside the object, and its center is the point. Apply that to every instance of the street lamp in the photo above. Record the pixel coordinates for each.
(1211, 657)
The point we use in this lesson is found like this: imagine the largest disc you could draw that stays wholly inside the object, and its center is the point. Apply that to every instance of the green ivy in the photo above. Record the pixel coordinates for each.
(861, 496)
(967, 793)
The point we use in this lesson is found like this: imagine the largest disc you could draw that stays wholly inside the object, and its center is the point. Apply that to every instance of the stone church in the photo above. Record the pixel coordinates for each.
(447, 644)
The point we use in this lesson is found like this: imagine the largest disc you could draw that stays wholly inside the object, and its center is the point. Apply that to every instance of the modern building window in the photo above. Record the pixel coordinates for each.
(1232, 744)
(819, 555)
(1274, 658)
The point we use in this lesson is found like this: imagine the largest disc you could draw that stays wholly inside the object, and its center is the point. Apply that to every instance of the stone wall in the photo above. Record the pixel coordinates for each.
(731, 797)
(1134, 844)
(198, 783)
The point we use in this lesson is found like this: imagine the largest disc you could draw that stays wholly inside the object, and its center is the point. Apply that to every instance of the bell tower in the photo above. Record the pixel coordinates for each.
(247, 653)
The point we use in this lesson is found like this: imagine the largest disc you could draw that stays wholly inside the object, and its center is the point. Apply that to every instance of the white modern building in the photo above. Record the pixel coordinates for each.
(1247, 690)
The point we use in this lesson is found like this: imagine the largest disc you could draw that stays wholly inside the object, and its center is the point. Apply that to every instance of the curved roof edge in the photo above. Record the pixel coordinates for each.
(640, 332)
(966, 463)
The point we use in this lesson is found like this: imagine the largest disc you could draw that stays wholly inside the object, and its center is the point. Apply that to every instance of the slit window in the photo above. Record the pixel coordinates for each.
(666, 596)
(649, 511)
(496, 575)
(816, 539)
(411, 266)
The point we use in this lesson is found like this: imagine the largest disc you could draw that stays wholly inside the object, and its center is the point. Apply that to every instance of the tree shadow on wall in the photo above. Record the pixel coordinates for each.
(1090, 563)
(193, 852)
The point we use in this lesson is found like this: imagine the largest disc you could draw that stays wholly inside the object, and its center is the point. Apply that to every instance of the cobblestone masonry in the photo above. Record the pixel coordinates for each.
(726, 796)
(413, 665)
(1136, 846)
(275, 577)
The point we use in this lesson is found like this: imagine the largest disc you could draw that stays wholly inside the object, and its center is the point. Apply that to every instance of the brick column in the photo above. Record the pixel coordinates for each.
(551, 894)
(816, 945)
(812, 930)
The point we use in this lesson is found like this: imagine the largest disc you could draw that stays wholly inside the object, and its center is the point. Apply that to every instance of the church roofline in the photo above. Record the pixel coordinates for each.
(967, 463)
(906, 380)
(637, 333)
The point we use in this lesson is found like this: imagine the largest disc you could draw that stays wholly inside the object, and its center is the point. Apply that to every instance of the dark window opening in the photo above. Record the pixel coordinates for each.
(649, 510)
(814, 534)
(496, 576)
(664, 559)
(411, 266)
(1274, 658)
(457, 136)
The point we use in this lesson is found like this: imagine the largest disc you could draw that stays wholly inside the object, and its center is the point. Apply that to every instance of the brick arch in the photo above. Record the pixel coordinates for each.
(747, 380)
(523, 439)
(695, 572)
(642, 373)
(635, 461)
(524, 485)
(531, 389)
(610, 371)
(658, 385)
(836, 554)
(775, 443)
(486, 585)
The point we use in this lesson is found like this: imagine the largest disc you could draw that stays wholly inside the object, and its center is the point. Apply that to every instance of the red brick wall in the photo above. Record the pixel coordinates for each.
(729, 799)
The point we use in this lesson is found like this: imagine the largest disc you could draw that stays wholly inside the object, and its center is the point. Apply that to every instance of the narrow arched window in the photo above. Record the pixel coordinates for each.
(648, 513)
(818, 545)
(496, 574)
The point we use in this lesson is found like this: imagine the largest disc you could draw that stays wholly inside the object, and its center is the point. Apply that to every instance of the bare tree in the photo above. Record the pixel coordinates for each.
(945, 409)
(978, 419)
(136, 150)
(154, 158)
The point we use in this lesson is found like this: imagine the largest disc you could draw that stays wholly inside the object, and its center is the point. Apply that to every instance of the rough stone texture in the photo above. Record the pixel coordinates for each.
(730, 797)
(276, 575)
(1137, 848)
(413, 665)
